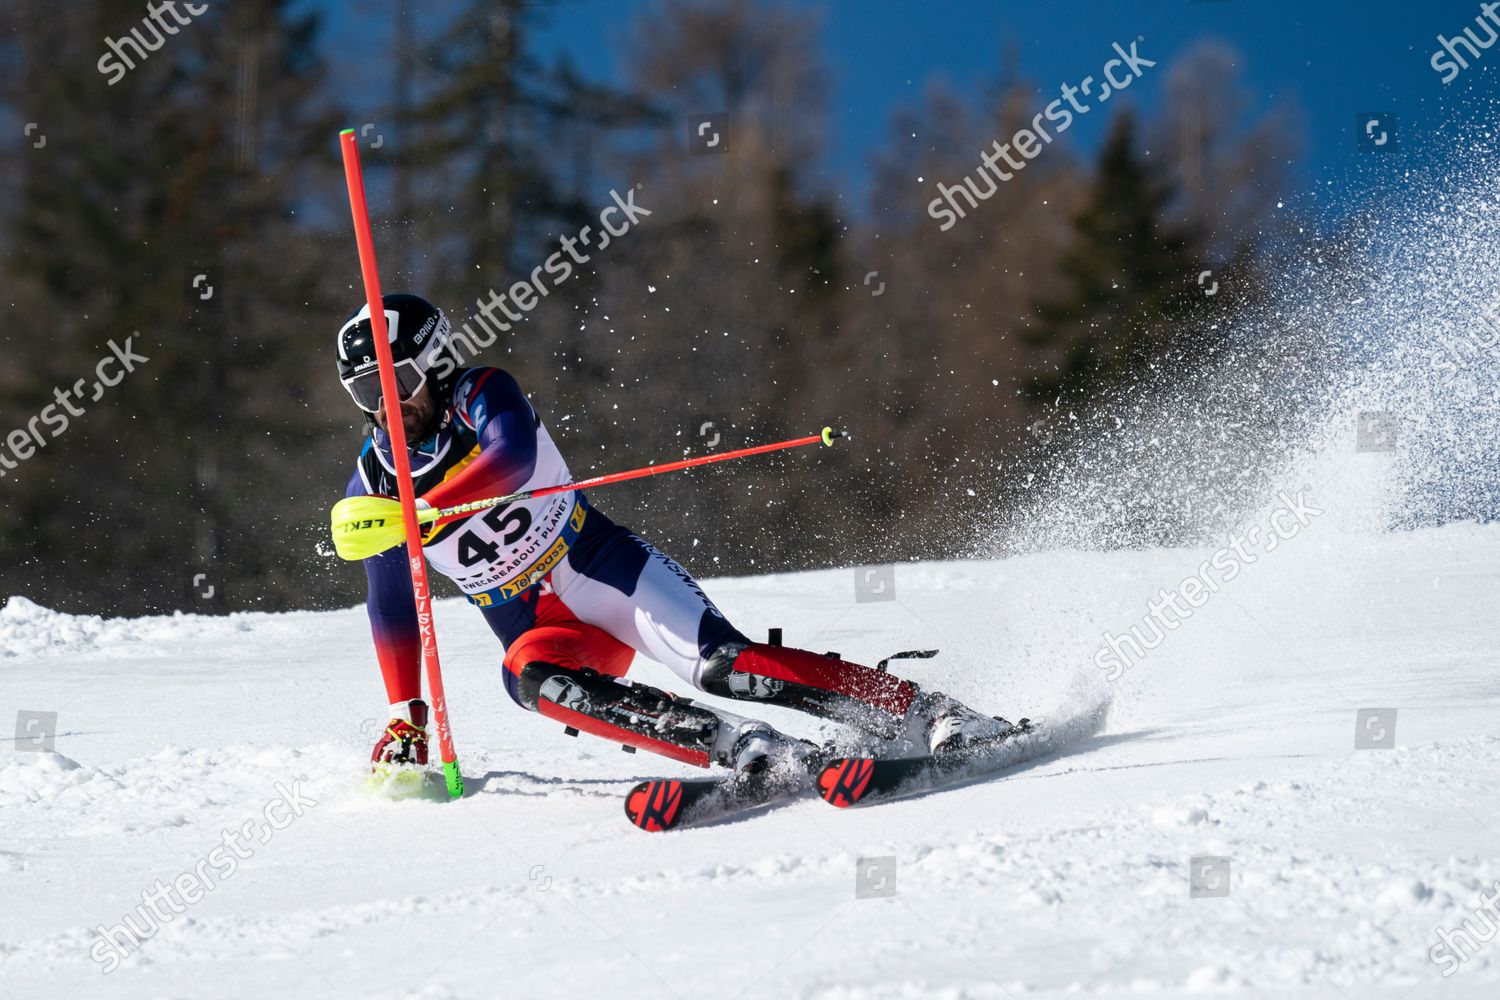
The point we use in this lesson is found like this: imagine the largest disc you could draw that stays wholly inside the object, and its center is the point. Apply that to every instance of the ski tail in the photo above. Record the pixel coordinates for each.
(674, 803)
(657, 806)
(845, 780)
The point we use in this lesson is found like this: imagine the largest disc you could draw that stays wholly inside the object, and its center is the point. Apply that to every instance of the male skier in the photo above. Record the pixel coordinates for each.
(572, 596)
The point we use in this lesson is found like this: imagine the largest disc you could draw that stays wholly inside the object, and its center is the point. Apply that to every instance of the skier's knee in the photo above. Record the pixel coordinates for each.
(568, 646)
(513, 685)
(717, 666)
(572, 645)
(720, 675)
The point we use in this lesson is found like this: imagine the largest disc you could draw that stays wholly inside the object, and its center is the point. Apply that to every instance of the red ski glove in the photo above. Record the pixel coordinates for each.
(405, 738)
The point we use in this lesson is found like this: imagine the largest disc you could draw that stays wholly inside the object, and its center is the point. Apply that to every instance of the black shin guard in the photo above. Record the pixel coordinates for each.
(633, 715)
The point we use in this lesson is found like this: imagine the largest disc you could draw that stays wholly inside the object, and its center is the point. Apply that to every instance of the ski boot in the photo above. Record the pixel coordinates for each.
(751, 748)
(947, 725)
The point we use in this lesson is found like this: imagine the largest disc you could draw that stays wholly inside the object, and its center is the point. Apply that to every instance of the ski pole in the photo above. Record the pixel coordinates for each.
(364, 526)
(407, 503)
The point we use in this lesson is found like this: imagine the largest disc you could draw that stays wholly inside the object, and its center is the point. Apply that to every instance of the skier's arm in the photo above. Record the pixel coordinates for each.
(490, 401)
(393, 619)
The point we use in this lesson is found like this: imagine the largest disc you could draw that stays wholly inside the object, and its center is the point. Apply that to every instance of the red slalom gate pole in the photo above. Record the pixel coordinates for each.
(416, 561)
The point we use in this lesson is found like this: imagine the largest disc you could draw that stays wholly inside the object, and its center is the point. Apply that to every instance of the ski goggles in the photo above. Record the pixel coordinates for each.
(365, 387)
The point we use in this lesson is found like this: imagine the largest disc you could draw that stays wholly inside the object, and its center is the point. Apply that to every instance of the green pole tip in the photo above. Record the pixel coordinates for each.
(454, 779)
(347, 131)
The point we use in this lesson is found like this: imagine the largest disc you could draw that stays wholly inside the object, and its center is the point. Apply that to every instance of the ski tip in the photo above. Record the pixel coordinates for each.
(845, 780)
(655, 806)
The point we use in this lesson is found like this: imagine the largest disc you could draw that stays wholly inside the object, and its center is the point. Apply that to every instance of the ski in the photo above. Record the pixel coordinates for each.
(854, 781)
(675, 803)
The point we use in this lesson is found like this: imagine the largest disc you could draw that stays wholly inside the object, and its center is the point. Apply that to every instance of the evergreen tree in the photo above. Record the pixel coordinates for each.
(722, 309)
(194, 162)
(1130, 281)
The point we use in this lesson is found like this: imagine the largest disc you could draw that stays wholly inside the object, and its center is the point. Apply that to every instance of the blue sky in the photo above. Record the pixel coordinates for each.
(1333, 59)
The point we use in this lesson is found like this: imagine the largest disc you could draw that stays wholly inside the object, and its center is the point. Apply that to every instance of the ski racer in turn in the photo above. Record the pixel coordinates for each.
(573, 596)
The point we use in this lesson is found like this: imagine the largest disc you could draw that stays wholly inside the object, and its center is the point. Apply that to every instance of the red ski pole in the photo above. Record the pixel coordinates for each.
(390, 397)
(364, 526)
(825, 437)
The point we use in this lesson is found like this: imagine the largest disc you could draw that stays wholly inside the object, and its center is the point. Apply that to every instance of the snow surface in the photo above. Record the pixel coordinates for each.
(1235, 738)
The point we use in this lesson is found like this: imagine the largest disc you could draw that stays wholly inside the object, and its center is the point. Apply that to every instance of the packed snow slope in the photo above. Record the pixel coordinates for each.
(1233, 738)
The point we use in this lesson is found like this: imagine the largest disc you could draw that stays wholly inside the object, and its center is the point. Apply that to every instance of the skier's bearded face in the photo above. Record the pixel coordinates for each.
(418, 416)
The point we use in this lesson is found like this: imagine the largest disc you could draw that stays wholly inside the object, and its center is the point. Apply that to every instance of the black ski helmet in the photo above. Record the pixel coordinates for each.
(418, 334)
